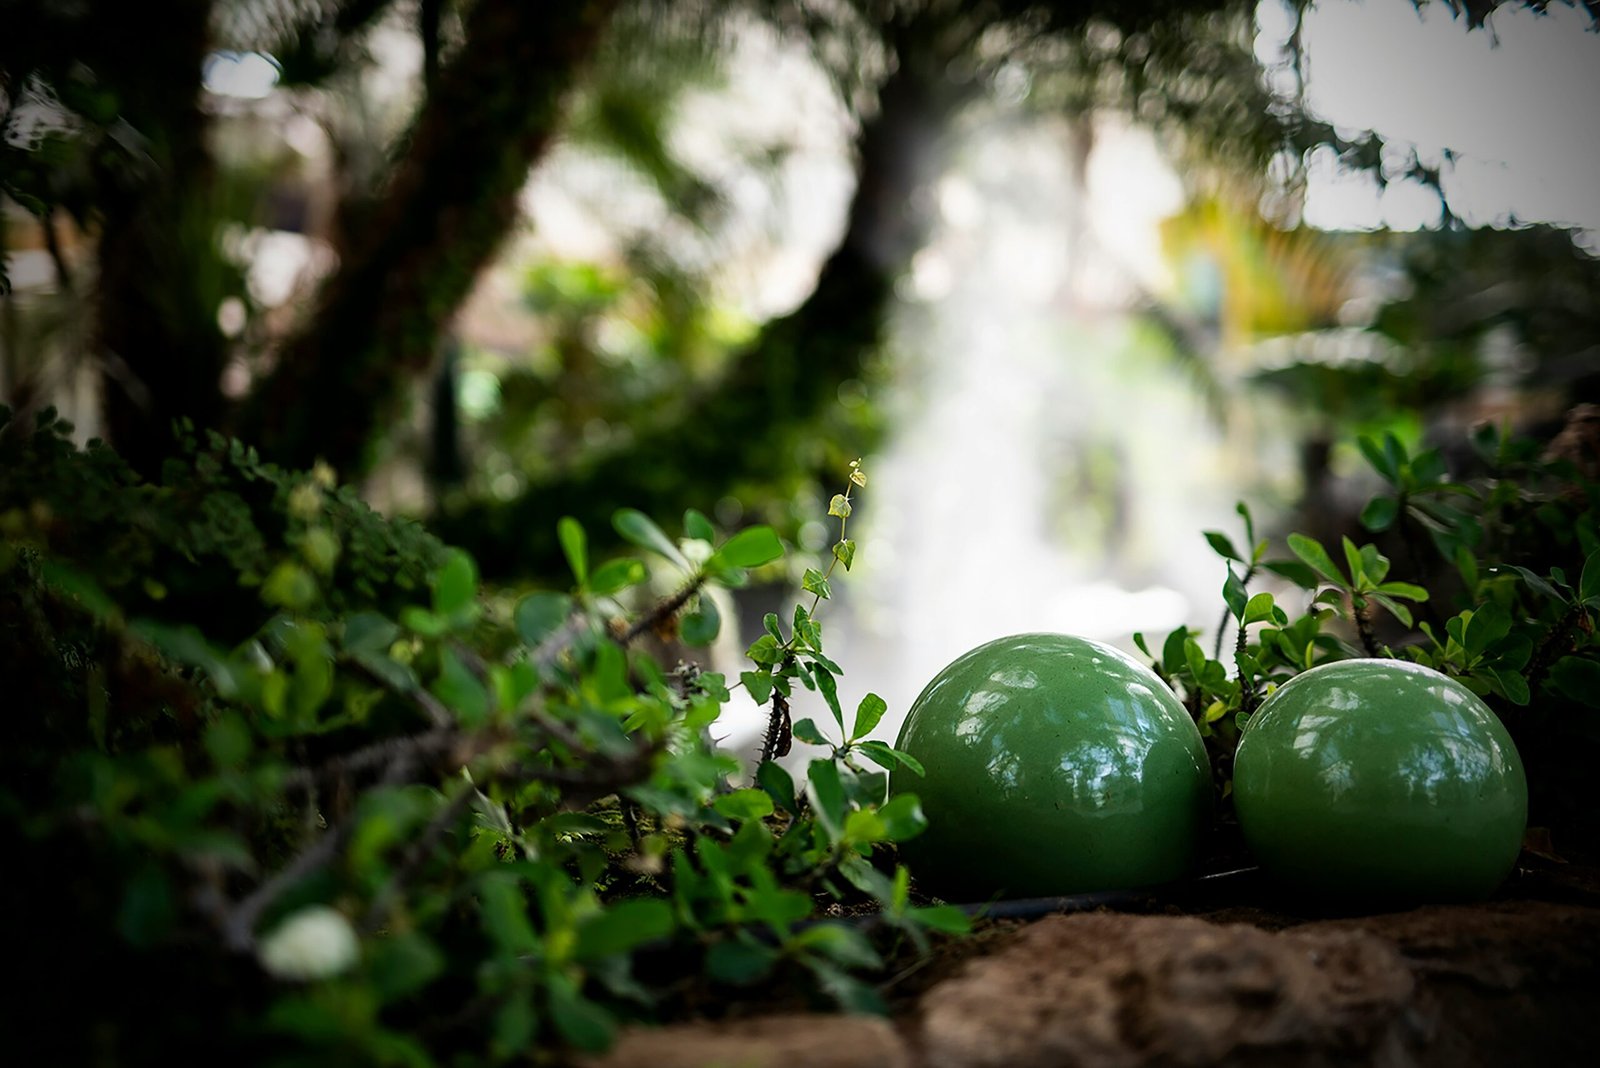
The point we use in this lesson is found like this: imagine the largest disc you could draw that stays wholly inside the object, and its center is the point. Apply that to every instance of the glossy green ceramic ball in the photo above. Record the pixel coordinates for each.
(1055, 765)
(1380, 781)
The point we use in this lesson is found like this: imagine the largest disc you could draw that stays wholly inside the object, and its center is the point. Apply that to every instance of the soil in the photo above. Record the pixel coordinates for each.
(1222, 974)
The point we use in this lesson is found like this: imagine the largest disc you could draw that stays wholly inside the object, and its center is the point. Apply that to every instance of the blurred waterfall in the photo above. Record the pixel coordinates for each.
(1048, 468)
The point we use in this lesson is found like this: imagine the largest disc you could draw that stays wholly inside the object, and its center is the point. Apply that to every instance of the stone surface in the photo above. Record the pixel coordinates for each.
(1055, 765)
(1455, 986)
(790, 1041)
(1462, 986)
(1111, 990)
(1380, 781)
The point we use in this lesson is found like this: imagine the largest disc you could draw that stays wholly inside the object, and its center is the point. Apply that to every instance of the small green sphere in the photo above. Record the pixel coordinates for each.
(1381, 782)
(1055, 765)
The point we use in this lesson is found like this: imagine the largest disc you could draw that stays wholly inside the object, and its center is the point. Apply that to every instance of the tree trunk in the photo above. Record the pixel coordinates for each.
(745, 427)
(160, 279)
(450, 204)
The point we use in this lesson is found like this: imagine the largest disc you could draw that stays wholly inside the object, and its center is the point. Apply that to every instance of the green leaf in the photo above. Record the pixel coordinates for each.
(758, 684)
(1589, 580)
(829, 689)
(1489, 623)
(748, 804)
(1316, 557)
(1356, 561)
(1394, 453)
(229, 741)
(779, 785)
(751, 547)
(624, 926)
(764, 651)
(580, 1021)
(1577, 679)
(1375, 456)
(1394, 608)
(402, 964)
(1403, 589)
(455, 587)
(539, 614)
(1222, 545)
(807, 629)
(639, 529)
(777, 907)
(1294, 571)
(900, 891)
(700, 627)
(842, 945)
(77, 585)
(864, 827)
(1538, 584)
(290, 585)
(423, 622)
(1174, 651)
(815, 657)
(369, 632)
(1259, 608)
(460, 689)
(1235, 594)
(902, 817)
(827, 795)
(148, 908)
(770, 623)
(713, 685)
(1427, 468)
(911, 763)
(845, 552)
(504, 910)
(1249, 521)
(698, 527)
(885, 756)
(1512, 685)
(616, 575)
(852, 994)
(514, 1027)
(814, 582)
(575, 544)
(1380, 513)
(868, 713)
(806, 731)
(839, 506)
(947, 919)
(739, 961)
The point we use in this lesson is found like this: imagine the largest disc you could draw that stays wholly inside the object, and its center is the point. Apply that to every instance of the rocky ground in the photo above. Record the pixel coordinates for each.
(1207, 982)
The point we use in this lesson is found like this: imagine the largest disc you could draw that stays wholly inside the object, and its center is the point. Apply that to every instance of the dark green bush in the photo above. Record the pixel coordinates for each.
(282, 783)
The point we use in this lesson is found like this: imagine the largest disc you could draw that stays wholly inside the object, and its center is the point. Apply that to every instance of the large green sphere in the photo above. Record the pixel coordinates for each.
(1055, 765)
(1380, 781)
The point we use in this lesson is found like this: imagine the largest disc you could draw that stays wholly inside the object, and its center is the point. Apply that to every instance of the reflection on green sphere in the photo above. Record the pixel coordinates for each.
(1055, 765)
(1380, 781)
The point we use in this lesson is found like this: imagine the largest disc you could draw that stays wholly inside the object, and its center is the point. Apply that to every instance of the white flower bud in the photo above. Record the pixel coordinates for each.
(313, 943)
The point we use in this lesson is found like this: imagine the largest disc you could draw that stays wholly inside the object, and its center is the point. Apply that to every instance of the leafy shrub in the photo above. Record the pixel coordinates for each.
(284, 783)
(281, 782)
(1513, 551)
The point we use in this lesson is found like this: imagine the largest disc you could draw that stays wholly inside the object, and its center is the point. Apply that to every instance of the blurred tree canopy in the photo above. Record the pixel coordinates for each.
(106, 123)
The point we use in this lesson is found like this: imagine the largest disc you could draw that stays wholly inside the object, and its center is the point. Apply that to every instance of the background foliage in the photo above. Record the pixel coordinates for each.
(294, 781)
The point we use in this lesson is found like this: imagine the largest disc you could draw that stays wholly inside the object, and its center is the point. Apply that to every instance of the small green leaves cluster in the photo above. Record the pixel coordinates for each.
(1418, 492)
(781, 659)
(1521, 634)
(1361, 584)
(449, 829)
